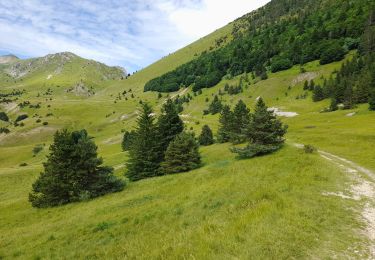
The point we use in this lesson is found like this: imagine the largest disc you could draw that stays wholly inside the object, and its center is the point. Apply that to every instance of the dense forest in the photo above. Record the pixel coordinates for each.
(274, 38)
(354, 83)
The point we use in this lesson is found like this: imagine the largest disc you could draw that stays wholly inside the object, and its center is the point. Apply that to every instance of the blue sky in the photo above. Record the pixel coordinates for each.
(128, 33)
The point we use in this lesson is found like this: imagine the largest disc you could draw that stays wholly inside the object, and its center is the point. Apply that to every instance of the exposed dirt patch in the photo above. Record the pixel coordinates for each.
(363, 191)
(11, 107)
(278, 112)
(304, 76)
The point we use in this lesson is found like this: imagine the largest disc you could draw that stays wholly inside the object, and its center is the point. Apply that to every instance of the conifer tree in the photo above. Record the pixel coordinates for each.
(372, 100)
(265, 133)
(73, 172)
(169, 125)
(226, 125)
(318, 94)
(215, 106)
(144, 155)
(4, 117)
(182, 154)
(127, 140)
(206, 136)
(241, 120)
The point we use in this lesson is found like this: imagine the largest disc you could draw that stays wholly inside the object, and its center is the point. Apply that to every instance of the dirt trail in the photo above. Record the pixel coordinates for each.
(362, 190)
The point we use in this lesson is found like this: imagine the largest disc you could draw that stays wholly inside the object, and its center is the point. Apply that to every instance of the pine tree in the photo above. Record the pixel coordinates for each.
(127, 140)
(169, 125)
(318, 94)
(372, 100)
(73, 172)
(215, 106)
(226, 125)
(265, 133)
(182, 154)
(241, 120)
(144, 155)
(334, 105)
(206, 136)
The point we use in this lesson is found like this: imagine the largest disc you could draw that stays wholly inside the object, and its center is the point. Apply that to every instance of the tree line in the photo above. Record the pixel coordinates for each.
(275, 39)
(354, 83)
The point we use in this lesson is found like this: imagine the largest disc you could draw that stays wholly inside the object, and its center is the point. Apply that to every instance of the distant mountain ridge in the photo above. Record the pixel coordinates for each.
(8, 59)
(60, 69)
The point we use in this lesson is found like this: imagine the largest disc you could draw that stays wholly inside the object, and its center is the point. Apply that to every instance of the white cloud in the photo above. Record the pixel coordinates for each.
(128, 33)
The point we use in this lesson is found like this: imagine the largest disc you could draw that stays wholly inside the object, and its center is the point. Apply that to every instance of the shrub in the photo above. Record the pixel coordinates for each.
(21, 117)
(206, 136)
(4, 130)
(4, 117)
(309, 148)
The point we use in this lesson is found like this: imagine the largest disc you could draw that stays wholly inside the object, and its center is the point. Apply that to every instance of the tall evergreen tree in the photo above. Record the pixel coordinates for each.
(241, 120)
(144, 155)
(169, 125)
(73, 172)
(265, 133)
(127, 140)
(215, 106)
(318, 94)
(206, 136)
(182, 154)
(226, 125)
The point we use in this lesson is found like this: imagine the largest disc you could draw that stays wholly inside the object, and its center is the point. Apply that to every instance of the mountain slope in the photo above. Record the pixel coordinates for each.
(278, 206)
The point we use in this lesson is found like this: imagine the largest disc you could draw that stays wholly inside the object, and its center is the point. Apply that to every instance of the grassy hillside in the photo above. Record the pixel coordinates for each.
(272, 207)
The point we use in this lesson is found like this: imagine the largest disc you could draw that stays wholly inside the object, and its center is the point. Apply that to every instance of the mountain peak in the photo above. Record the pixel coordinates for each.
(9, 58)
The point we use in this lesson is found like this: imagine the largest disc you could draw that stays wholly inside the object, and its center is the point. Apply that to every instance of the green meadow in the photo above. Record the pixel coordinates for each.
(271, 207)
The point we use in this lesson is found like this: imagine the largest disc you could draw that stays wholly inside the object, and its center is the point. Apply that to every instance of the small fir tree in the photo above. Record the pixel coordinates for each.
(265, 133)
(206, 136)
(182, 154)
(226, 125)
(73, 172)
(241, 120)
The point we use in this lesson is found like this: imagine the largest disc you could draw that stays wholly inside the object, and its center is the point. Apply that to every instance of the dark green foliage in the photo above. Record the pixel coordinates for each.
(233, 125)
(215, 106)
(182, 154)
(282, 34)
(127, 140)
(332, 51)
(265, 133)
(226, 125)
(279, 64)
(334, 105)
(4, 130)
(169, 125)
(372, 101)
(318, 94)
(206, 136)
(4, 117)
(241, 120)
(144, 155)
(21, 117)
(73, 172)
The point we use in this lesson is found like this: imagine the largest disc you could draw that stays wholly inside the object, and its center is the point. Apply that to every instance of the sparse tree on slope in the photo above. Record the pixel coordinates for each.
(169, 125)
(241, 120)
(265, 133)
(182, 154)
(73, 172)
(206, 136)
(144, 154)
(226, 125)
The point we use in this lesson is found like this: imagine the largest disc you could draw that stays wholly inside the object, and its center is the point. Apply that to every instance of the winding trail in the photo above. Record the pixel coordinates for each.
(362, 190)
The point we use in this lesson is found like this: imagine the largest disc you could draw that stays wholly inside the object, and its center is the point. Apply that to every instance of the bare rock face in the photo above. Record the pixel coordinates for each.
(81, 90)
(8, 59)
